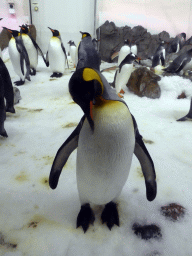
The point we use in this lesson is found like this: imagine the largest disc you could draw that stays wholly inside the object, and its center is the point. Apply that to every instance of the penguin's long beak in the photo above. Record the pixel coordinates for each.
(51, 29)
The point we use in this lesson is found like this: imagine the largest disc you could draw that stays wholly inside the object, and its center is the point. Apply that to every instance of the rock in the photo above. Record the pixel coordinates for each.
(147, 231)
(173, 211)
(17, 95)
(143, 82)
(182, 96)
(164, 36)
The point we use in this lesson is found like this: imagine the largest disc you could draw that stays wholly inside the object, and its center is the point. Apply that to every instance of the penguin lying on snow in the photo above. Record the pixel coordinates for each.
(87, 55)
(19, 57)
(32, 48)
(182, 62)
(73, 52)
(106, 137)
(2, 109)
(56, 55)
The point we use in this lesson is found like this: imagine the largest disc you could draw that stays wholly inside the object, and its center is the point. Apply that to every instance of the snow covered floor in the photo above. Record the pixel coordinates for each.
(41, 221)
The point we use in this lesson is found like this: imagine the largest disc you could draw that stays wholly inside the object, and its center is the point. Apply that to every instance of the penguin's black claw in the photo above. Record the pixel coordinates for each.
(32, 72)
(110, 215)
(10, 109)
(18, 83)
(85, 217)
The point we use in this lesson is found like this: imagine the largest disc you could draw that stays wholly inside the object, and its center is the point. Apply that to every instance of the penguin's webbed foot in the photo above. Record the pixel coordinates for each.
(120, 96)
(3, 132)
(56, 74)
(110, 215)
(18, 83)
(85, 217)
(32, 72)
(10, 109)
(186, 118)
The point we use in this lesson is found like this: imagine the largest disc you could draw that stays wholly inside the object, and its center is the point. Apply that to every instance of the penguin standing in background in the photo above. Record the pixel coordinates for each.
(182, 62)
(133, 47)
(87, 55)
(32, 49)
(159, 56)
(56, 55)
(177, 43)
(73, 52)
(124, 51)
(123, 74)
(106, 138)
(19, 57)
(2, 109)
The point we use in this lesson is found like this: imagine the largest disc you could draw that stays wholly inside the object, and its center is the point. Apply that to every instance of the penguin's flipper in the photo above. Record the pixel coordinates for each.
(162, 59)
(38, 48)
(63, 154)
(147, 165)
(47, 59)
(63, 48)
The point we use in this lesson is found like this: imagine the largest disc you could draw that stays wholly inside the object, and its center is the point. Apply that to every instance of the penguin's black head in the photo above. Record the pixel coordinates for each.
(1, 18)
(126, 42)
(14, 33)
(24, 29)
(55, 32)
(85, 34)
(71, 42)
(85, 86)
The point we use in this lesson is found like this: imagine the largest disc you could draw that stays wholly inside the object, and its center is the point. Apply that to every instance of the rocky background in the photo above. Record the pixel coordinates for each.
(112, 39)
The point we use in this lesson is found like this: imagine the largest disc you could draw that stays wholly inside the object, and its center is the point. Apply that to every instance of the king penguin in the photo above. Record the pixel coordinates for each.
(106, 138)
(159, 56)
(56, 55)
(87, 55)
(182, 62)
(124, 51)
(32, 49)
(19, 57)
(73, 52)
(123, 73)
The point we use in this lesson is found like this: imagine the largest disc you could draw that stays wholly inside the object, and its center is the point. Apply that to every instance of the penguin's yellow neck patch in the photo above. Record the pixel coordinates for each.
(84, 35)
(90, 74)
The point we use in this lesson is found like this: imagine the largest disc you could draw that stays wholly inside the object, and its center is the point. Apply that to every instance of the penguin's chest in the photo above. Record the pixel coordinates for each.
(15, 57)
(56, 55)
(123, 77)
(104, 155)
(31, 50)
(123, 53)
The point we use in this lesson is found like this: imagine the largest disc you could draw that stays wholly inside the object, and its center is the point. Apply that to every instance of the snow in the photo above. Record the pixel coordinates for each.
(42, 221)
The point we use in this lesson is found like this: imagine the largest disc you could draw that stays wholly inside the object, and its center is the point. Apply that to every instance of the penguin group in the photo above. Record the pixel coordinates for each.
(101, 169)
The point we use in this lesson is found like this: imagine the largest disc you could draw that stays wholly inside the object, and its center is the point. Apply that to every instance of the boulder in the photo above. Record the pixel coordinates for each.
(143, 82)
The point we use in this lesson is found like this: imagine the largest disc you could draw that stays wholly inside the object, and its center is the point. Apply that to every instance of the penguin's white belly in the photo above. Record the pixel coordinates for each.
(104, 156)
(134, 49)
(73, 53)
(31, 50)
(123, 77)
(124, 51)
(15, 58)
(56, 56)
